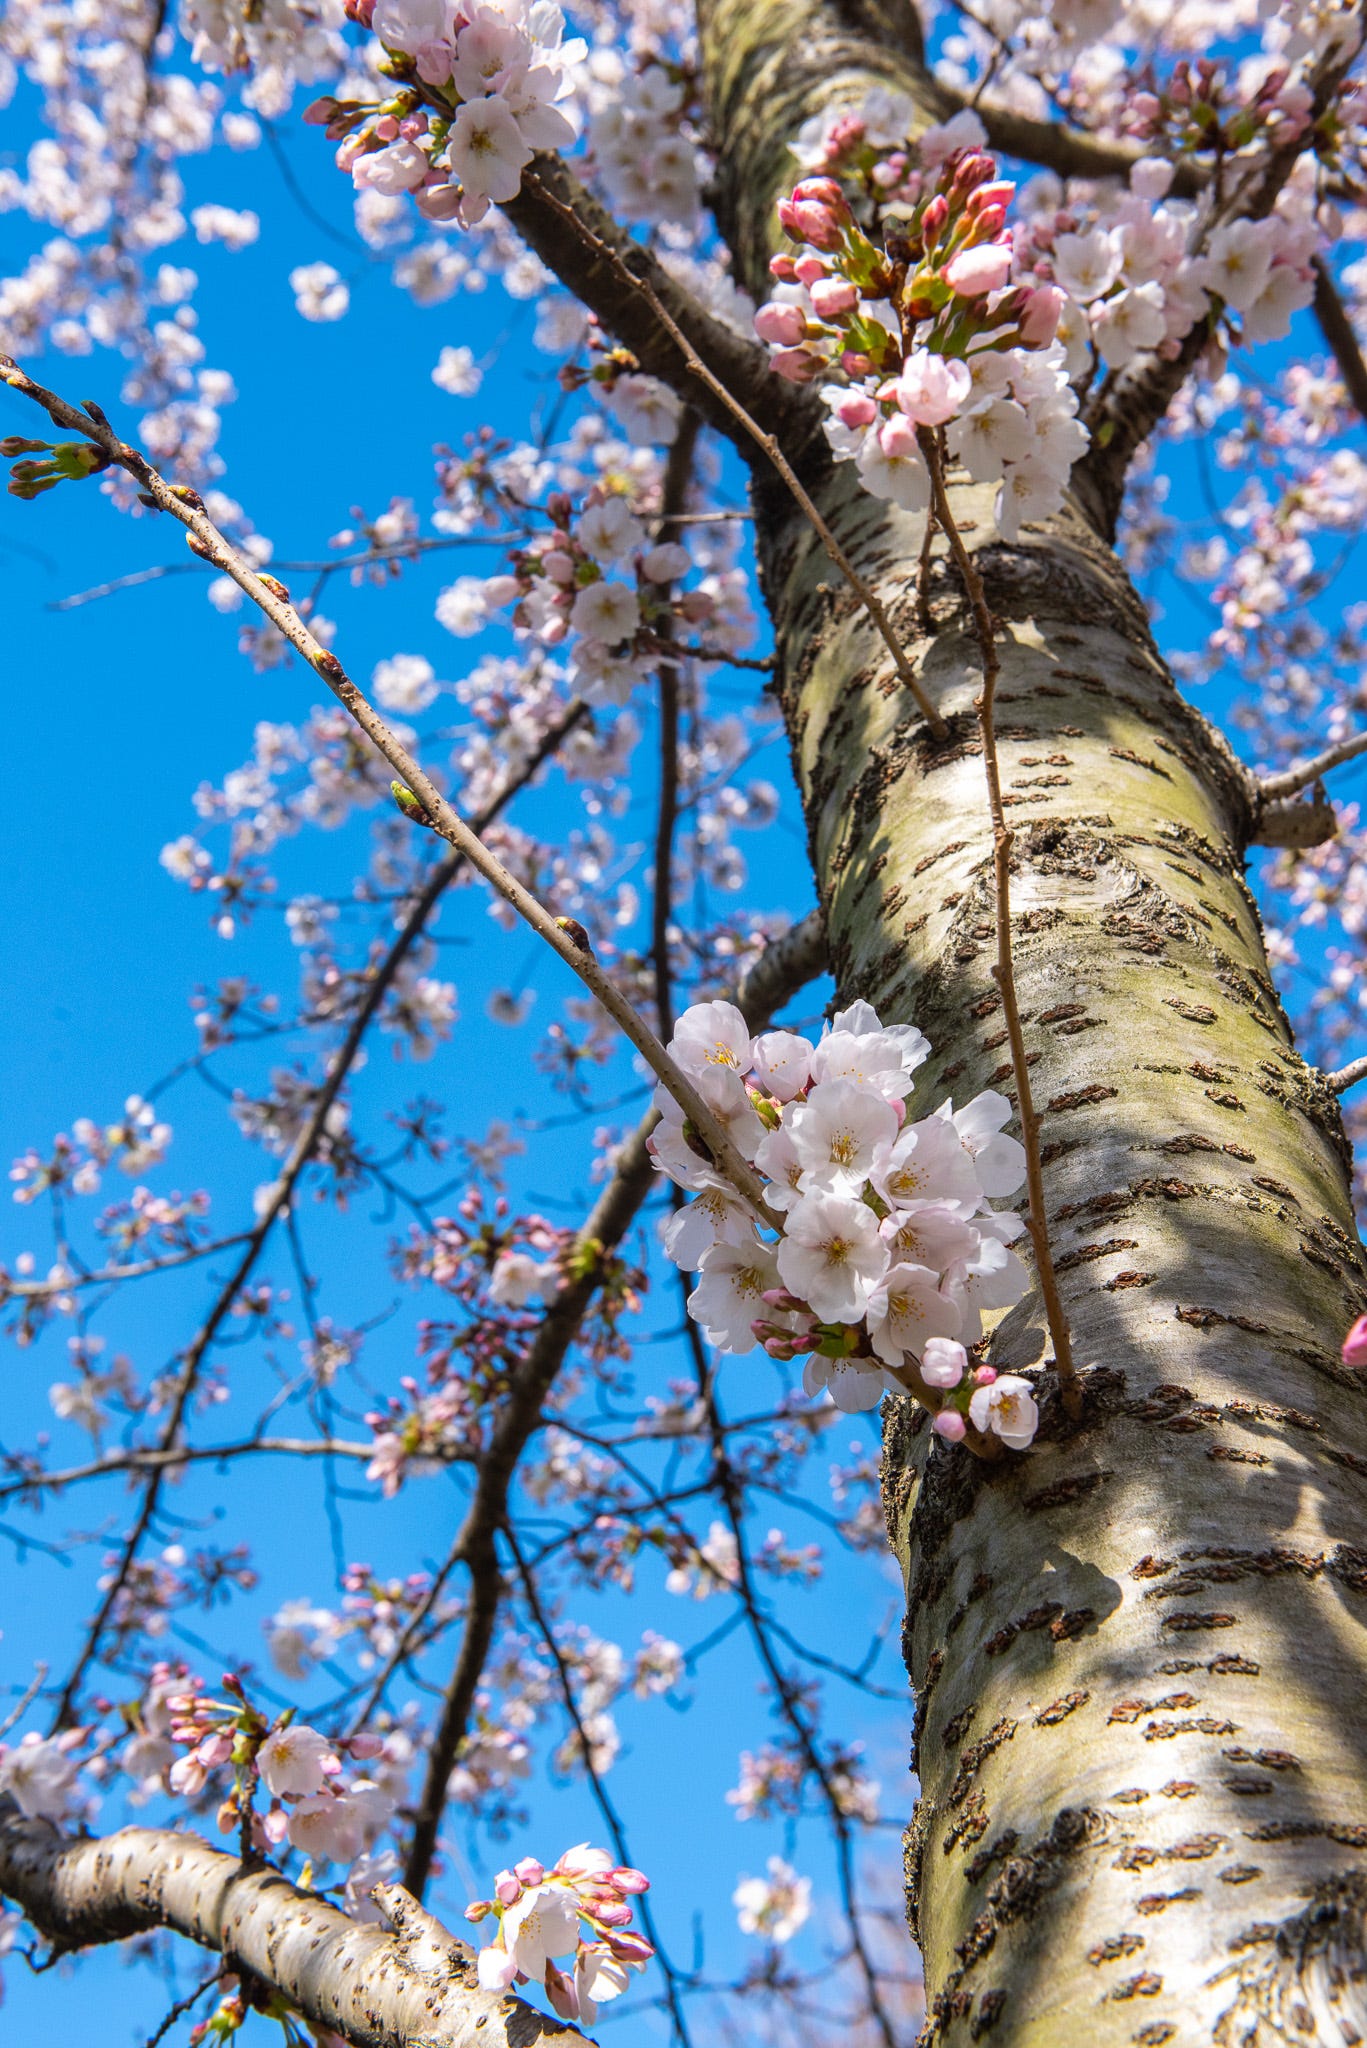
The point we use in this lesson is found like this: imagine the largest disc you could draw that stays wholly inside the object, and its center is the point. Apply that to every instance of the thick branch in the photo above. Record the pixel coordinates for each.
(1272, 788)
(740, 364)
(783, 969)
(374, 1988)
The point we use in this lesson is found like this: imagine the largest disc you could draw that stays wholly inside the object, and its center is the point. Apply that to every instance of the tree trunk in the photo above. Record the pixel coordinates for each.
(1138, 1652)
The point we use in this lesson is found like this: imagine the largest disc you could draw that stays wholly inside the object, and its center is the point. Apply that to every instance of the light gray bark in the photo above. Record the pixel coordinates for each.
(1139, 1652)
(413, 1987)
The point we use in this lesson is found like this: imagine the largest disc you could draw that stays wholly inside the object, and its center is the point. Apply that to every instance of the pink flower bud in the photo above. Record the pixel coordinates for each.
(833, 296)
(364, 1746)
(1040, 315)
(991, 220)
(856, 409)
(943, 1362)
(319, 112)
(558, 566)
(809, 270)
(783, 325)
(984, 1376)
(975, 272)
(1355, 1345)
(529, 1870)
(1000, 192)
(818, 212)
(387, 128)
(507, 1888)
(783, 268)
(628, 1880)
(950, 1425)
(439, 202)
(897, 437)
(695, 606)
(934, 218)
(854, 364)
(974, 168)
(630, 1948)
(617, 1914)
(796, 365)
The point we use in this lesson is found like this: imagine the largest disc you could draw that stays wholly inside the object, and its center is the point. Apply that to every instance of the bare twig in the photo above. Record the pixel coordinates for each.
(172, 1457)
(1272, 788)
(1347, 1077)
(866, 594)
(602, 1798)
(786, 1694)
(25, 1700)
(110, 1276)
(678, 474)
(182, 2006)
(786, 967)
(1004, 973)
(207, 541)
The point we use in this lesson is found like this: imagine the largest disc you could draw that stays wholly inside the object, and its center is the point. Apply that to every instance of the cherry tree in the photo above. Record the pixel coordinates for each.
(956, 340)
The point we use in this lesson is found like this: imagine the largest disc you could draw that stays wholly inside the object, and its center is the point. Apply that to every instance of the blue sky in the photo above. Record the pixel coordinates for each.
(117, 709)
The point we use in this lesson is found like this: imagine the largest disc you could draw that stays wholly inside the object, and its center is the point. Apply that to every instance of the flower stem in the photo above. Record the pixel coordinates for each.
(1004, 972)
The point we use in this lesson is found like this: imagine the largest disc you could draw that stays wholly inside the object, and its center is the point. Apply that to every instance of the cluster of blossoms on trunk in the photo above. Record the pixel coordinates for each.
(890, 1250)
(542, 1915)
(479, 82)
(963, 323)
(927, 332)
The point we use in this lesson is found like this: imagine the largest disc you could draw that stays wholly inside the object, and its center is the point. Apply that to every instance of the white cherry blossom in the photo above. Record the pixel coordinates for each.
(294, 1760)
(907, 1307)
(730, 1293)
(1007, 1408)
(839, 1133)
(831, 1256)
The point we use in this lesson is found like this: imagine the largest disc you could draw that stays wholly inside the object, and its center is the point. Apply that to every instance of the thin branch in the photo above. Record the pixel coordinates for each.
(780, 972)
(1272, 788)
(592, 267)
(206, 541)
(602, 1798)
(1004, 972)
(174, 1456)
(399, 551)
(867, 596)
(1347, 1077)
(674, 496)
(102, 1276)
(25, 1700)
(729, 1489)
(182, 2006)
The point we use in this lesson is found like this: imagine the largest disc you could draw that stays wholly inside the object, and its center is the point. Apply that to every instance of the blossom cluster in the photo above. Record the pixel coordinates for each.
(325, 1815)
(600, 576)
(927, 332)
(890, 1249)
(542, 1915)
(496, 68)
